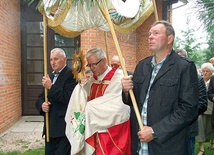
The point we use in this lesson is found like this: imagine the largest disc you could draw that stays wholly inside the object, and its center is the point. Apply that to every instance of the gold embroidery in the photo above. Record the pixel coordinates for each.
(102, 82)
(98, 141)
(115, 143)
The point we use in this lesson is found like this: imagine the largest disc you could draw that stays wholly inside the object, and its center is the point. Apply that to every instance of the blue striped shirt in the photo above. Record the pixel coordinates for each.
(156, 67)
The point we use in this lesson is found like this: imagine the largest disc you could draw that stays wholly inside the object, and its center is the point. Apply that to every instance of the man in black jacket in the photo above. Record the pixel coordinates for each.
(211, 98)
(60, 85)
(165, 86)
(202, 106)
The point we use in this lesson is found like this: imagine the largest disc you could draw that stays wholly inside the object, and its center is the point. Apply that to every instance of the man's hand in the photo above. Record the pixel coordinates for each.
(127, 83)
(46, 106)
(145, 135)
(46, 82)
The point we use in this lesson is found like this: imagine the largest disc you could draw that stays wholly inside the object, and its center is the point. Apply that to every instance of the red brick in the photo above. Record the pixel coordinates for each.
(10, 64)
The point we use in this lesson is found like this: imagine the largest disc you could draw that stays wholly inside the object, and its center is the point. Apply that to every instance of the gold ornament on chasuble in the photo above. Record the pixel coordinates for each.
(78, 64)
(98, 89)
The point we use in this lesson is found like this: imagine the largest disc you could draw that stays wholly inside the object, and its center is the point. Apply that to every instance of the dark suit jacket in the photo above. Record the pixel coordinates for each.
(202, 106)
(211, 89)
(172, 104)
(211, 95)
(58, 96)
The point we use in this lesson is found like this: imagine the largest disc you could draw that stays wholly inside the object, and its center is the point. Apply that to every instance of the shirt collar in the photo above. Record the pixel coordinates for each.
(104, 74)
(59, 71)
(153, 63)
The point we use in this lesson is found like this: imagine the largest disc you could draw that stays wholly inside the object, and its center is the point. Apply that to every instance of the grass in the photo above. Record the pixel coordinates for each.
(41, 151)
(207, 151)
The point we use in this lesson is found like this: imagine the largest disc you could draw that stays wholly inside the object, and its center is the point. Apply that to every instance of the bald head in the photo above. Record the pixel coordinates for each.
(115, 61)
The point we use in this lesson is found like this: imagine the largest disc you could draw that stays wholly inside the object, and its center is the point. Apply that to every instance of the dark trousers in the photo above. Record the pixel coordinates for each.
(58, 146)
(192, 145)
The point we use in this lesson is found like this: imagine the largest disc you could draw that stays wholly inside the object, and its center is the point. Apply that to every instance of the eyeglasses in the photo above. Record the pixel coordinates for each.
(94, 64)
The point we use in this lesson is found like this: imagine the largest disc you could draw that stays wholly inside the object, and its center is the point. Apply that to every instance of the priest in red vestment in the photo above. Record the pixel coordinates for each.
(104, 116)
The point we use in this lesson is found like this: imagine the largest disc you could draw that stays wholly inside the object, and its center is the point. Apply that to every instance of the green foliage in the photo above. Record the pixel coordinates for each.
(190, 44)
(177, 43)
(205, 13)
(210, 50)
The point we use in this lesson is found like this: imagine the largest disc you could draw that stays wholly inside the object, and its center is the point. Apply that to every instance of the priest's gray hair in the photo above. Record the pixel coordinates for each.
(100, 53)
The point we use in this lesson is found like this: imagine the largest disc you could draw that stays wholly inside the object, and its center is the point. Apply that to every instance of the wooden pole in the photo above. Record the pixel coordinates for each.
(45, 73)
(107, 51)
(155, 10)
(122, 63)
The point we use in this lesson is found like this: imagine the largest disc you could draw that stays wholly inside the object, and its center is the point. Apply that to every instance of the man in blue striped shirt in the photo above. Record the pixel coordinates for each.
(165, 86)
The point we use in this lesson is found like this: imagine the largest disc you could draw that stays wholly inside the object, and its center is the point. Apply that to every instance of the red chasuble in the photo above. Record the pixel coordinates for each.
(116, 139)
(98, 89)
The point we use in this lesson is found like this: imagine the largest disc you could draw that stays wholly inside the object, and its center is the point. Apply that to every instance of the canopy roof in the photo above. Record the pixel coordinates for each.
(71, 17)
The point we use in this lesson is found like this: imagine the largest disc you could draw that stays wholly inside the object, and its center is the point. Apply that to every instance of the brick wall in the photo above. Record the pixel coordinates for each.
(142, 33)
(134, 46)
(10, 64)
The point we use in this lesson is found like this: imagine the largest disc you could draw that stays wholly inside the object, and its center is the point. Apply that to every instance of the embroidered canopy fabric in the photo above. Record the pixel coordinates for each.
(71, 17)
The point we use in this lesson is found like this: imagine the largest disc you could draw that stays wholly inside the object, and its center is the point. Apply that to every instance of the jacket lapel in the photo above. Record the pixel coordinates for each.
(61, 74)
(147, 71)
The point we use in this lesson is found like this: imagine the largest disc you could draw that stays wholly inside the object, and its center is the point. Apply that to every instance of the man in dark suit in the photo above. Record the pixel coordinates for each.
(211, 98)
(60, 85)
(166, 90)
(202, 107)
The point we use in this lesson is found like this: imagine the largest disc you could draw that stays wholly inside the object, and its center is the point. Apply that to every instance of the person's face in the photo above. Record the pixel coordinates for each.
(57, 61)
(158, 40)
(97, 65)
(206, 74)
(212, 61)
(87, 76)
(115, 62)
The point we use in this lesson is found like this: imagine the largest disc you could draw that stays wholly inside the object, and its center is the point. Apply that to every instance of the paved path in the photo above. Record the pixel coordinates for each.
(25, 134)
